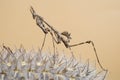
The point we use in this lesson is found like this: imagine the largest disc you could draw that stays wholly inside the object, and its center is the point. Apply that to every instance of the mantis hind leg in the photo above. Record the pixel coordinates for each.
(92, 43)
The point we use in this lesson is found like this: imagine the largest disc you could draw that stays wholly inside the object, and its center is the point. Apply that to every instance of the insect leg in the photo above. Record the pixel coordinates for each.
(43, 44)
(92, 43)
(71, 52)
(53, 40)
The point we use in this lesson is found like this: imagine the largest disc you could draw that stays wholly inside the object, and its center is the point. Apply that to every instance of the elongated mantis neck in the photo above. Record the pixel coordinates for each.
(50, 26)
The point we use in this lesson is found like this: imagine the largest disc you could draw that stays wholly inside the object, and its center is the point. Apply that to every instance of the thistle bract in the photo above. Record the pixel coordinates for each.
(22, 65)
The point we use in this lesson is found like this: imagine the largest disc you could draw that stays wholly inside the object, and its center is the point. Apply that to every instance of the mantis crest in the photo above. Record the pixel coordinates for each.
(59, 37)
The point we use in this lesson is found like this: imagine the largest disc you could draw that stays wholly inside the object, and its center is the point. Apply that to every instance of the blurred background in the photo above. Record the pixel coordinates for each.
(96, 20)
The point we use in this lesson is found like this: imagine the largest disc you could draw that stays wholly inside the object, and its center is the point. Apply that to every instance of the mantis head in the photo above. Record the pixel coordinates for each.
(33, 12)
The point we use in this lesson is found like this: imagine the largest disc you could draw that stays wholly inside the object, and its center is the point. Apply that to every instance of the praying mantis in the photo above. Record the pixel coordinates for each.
(20, 65)
(59, 37)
